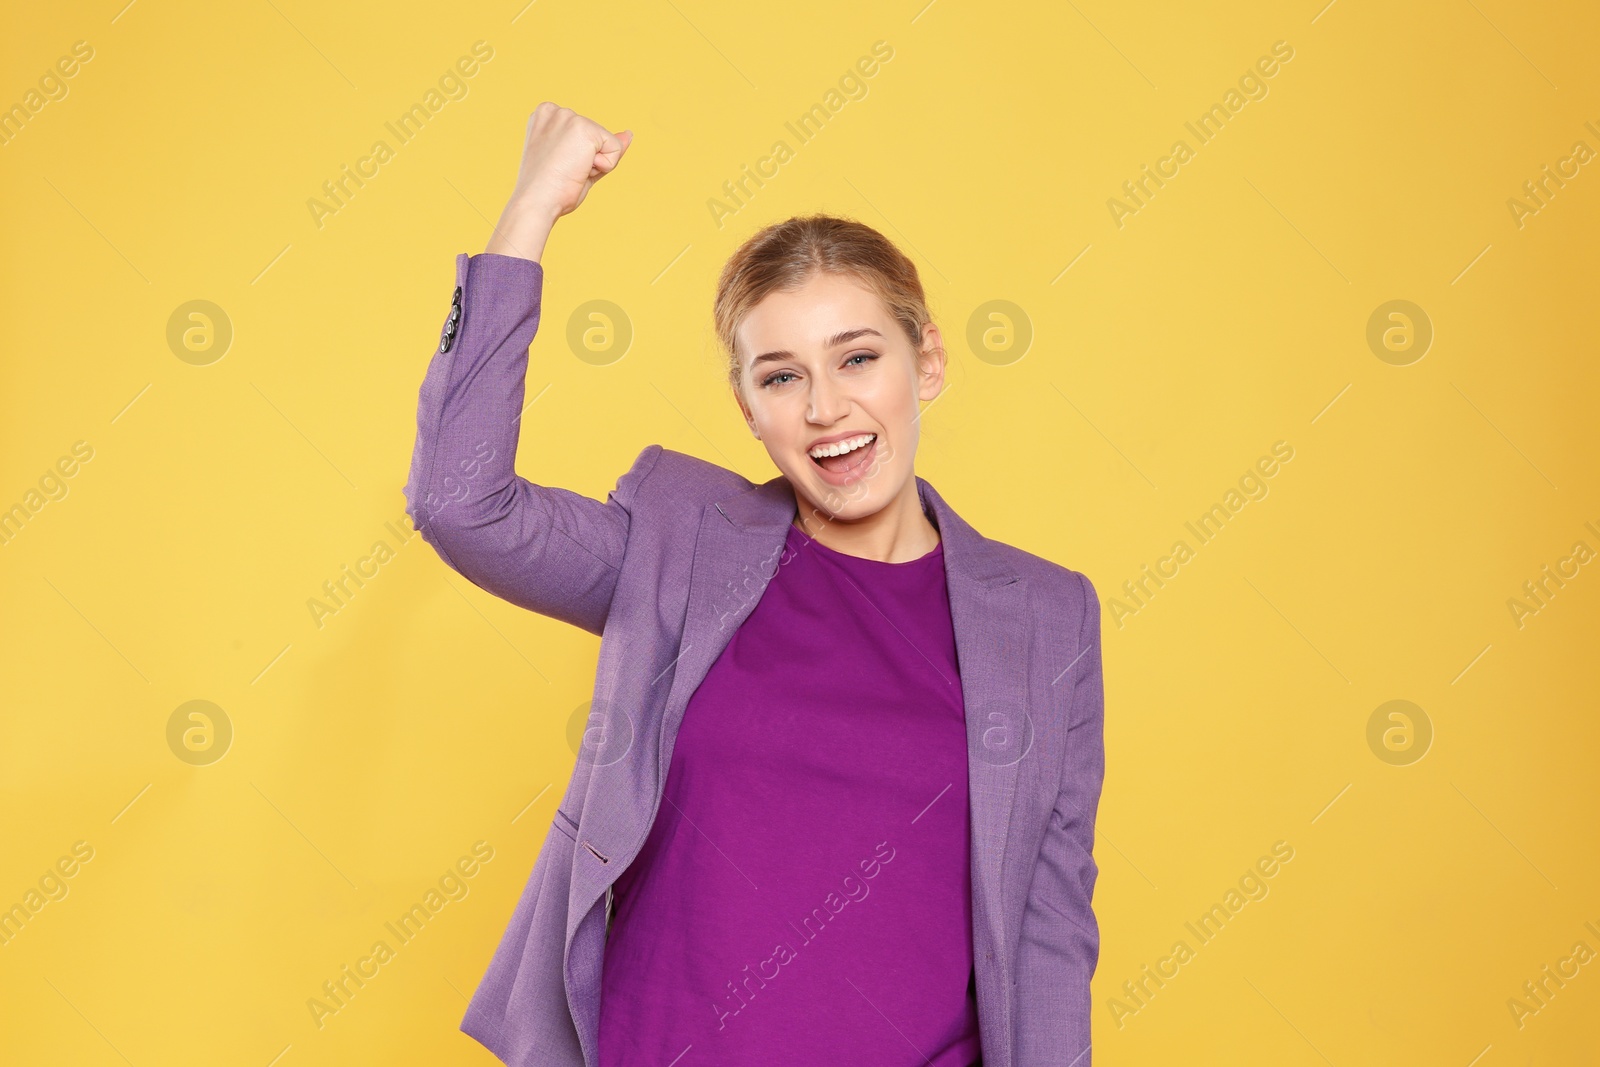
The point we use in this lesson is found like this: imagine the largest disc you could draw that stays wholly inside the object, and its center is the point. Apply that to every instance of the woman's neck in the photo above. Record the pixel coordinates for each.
(897, 533)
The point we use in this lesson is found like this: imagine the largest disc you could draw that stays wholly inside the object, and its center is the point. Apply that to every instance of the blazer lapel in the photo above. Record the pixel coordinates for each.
(993, 625)
(737, 550)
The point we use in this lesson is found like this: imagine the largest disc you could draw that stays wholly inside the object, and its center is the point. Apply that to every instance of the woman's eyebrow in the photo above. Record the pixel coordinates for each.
(844, 337)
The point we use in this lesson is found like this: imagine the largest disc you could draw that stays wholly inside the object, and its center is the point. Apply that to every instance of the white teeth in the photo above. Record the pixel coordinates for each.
(839, 448)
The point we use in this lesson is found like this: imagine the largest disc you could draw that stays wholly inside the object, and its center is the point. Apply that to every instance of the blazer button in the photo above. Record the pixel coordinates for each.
(448, 335)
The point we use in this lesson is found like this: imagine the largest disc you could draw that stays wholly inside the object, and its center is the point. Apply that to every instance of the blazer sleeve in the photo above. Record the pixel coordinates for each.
(1060, 941)
(546, 549)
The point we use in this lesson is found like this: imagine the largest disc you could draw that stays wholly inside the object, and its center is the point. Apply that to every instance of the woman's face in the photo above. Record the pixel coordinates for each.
(827, 364)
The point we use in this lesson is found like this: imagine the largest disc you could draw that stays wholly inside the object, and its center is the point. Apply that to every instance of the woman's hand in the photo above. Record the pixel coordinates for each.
(565, 154)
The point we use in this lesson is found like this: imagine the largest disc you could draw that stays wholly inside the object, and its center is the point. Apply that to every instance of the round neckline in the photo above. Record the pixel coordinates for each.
(934, 553)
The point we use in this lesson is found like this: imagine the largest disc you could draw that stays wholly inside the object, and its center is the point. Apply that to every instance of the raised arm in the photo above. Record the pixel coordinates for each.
(546, 549)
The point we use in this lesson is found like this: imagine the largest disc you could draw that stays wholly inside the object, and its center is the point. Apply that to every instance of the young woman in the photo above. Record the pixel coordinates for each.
(837, 798)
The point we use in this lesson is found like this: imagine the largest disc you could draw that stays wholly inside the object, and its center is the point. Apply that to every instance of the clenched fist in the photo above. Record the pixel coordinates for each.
(564, 155)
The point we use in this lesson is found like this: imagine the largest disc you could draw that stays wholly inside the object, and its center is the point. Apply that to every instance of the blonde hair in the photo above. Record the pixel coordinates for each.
(785, 255)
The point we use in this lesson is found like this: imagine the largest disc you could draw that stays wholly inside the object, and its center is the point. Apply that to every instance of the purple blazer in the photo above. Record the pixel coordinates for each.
(664, 570)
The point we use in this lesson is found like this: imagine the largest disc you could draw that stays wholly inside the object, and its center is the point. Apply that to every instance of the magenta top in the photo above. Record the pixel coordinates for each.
(804, 894)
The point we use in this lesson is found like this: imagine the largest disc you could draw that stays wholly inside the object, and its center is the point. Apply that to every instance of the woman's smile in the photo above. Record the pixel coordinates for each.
(849, 466)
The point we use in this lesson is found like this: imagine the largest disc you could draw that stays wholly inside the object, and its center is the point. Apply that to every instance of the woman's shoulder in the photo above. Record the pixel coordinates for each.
(661, 476)
(1055, 577)
(1060, 589)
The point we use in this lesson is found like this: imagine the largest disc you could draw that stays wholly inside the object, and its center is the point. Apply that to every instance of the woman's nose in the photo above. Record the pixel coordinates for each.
(828, 401)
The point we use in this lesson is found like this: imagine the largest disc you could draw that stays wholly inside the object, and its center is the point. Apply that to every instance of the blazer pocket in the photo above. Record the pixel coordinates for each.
(565, 824)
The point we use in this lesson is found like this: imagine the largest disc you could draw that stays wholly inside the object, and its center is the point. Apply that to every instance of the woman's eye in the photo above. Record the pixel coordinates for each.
(773, 379)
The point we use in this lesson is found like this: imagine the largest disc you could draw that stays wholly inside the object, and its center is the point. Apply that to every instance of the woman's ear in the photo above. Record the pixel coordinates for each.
(930, 363)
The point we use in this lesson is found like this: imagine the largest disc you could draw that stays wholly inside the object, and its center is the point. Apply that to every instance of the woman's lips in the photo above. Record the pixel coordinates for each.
(860, 461)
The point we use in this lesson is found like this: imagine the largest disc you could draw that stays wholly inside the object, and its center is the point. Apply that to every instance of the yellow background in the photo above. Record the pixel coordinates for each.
(1230, 312)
